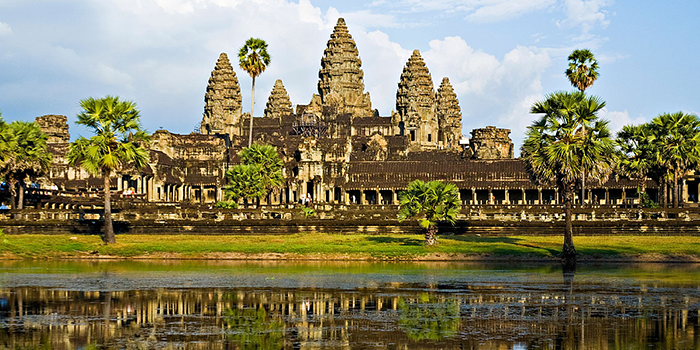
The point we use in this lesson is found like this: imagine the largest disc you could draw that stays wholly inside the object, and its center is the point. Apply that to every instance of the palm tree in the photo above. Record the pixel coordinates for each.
(678, 140)
(567, 139)
(435, 201)
(640, 155)
(269, 163)
(583, 69)
(28, 158)
(118, 141)
(245, 181)
(254, 59)
(582, 72)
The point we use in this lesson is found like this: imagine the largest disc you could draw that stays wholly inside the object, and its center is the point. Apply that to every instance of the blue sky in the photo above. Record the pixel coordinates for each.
(500, 55)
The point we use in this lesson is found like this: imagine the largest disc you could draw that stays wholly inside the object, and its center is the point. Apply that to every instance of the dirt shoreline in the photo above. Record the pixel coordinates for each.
(438, 257)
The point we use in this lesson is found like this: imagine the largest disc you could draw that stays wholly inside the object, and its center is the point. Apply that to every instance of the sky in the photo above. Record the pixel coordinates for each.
(500, 55)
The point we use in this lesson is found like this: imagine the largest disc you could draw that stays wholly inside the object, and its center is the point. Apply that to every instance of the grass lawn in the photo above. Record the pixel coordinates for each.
(331, 246)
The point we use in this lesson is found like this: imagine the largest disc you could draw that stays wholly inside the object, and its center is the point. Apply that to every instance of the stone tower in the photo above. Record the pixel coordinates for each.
(415, 113)
(222, 101)
(341, 79)
(491, 143)
(278, 104)
(449, 116)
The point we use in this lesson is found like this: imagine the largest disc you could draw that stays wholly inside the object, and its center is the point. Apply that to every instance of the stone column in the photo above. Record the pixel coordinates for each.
(507, 196)
(556, 196)
(474, 196)
(523, 193)
(607, 196)
(394, 197)
(491, 199)
(684, 192)
(539, 196)
(362, 197)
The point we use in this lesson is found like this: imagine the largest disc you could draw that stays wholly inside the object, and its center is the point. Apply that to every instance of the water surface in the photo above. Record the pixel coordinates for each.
(346, 305)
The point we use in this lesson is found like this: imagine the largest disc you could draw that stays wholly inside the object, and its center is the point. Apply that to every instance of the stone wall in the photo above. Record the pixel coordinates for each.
(378, 220)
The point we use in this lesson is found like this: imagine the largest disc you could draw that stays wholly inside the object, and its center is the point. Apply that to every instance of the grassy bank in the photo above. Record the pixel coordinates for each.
(351, 247)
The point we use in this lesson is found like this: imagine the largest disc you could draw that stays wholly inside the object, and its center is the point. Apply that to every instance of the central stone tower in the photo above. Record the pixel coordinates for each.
(341, 79)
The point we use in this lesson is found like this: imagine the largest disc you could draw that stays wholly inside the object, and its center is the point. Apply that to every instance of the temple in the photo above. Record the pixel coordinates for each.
(336, 148)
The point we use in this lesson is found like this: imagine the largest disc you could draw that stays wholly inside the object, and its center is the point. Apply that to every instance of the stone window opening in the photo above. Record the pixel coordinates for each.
(413, 135)
(430, 137)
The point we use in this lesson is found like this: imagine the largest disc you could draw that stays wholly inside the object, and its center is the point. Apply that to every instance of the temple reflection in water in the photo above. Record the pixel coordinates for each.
(394, 317)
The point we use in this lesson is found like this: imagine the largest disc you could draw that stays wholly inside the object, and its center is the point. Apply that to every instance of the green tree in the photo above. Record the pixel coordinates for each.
(432, 202)
(259, 173)
(268, 160)
(582, 70)
(639, 155)
(567, 139)
(678, 140)
(118, 140)
(245, 182)
(27, 158)
(254, 59)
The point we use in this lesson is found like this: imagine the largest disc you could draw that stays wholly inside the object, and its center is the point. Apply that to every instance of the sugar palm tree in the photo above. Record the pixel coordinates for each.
(28, 158)
(254, 59)
(678, 140)
(245, 182)
(269, 163)
(582, 72)
(567, 139)
(433, 202)
(583, 69)
(118, 140)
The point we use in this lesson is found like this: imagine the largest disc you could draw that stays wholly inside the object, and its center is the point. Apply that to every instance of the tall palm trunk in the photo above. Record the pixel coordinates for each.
(676, 193)
(430, 234)
(662, 191)
(252, 105)
(12, 186)
(568, 252)
(109, 229)
(20, 195)
(583, 187)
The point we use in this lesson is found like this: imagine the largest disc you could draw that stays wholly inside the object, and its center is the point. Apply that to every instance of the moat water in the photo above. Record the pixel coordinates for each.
(353, 305)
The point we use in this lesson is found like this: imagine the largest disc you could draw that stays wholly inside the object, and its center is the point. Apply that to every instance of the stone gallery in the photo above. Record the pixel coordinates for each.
(336, 148)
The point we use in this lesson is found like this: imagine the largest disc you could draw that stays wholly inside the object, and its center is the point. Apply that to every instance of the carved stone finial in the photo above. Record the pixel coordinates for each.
(449, 115)
(222, 101)
(278, 104)
(341, 73)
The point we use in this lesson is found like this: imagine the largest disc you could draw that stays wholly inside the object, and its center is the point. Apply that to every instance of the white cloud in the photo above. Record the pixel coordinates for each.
(5, 29)
(491, 91)
(496, 11)
(618, 119)
(585, 14)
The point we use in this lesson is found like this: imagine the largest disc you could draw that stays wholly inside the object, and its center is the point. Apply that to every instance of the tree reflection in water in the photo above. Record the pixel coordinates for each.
(428, 319)
(252, 329)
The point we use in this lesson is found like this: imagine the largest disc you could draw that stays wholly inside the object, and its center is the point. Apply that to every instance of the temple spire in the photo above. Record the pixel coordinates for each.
(222, 101)
(415, 103)
(278, 104)
(449, 116)
(341, 79)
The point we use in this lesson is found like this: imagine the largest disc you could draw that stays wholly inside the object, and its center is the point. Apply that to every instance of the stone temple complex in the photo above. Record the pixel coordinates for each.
(335, 148)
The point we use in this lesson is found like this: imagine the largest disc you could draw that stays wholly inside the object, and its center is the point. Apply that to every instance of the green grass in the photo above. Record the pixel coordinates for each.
(353, 246)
